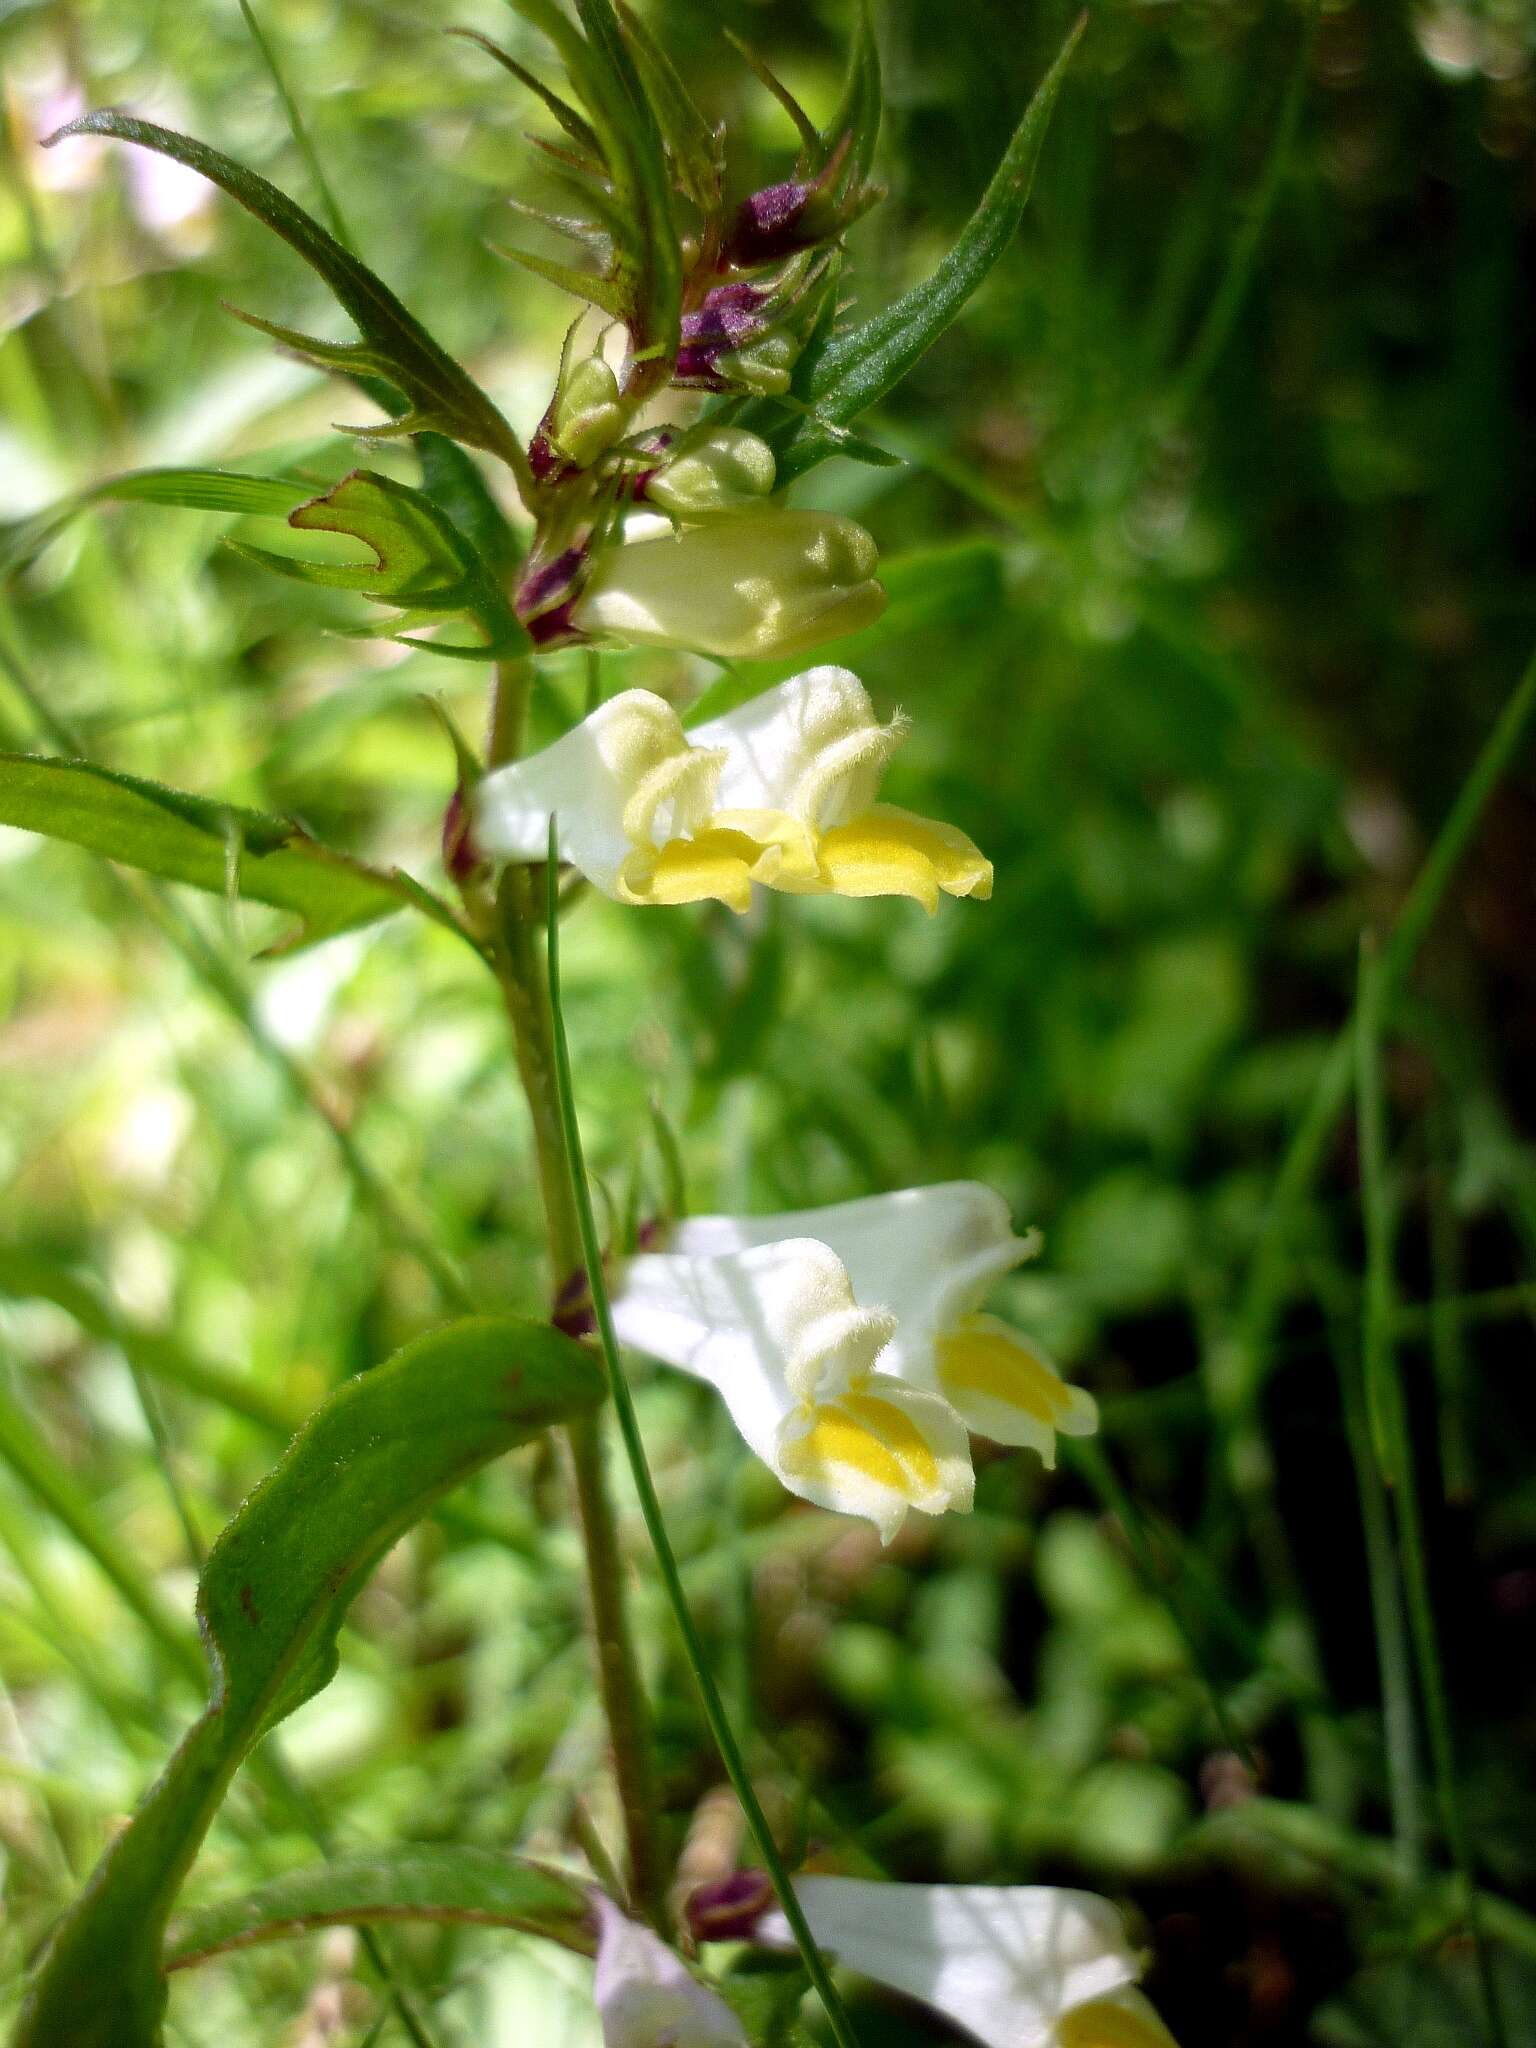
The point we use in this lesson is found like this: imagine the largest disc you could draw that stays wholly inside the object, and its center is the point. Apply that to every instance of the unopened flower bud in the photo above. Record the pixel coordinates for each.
(588, 415)
(724, 472)
(729, 1908)
(767, 583)
(763, 367)
(769, 224)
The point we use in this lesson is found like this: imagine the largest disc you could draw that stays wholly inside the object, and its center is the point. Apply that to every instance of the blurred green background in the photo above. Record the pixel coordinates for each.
(1211, 559)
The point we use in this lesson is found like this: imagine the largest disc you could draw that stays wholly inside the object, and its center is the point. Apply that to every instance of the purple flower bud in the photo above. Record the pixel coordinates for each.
(461, 857)
(573, 1312)
(548, 584)
(730, 316)
(770, 224)
(544, 458)
(729, 1908)
(728, 313)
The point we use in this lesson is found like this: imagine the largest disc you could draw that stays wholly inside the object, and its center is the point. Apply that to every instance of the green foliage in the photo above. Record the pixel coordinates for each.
(440, 1881)
(206, 490)
(222, 848)
(422, 562)
(844, 375)
(271, 1600)
(442, 397)
(628, 181)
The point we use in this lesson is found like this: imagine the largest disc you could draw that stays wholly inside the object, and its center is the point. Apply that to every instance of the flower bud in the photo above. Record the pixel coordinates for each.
(588, 415)
(724, 472)
(767, 583)
(762, 368)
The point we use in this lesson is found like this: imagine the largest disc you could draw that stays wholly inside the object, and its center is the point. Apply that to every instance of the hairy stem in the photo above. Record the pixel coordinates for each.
(520, 974)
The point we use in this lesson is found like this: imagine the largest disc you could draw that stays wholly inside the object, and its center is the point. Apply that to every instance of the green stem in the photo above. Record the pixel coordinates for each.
(520, 974)
(650, 1506)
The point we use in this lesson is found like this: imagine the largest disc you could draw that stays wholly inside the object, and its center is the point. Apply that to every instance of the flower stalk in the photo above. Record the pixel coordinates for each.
(519, 972)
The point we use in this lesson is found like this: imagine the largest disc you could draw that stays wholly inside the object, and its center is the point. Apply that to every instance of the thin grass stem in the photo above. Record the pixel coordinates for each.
(650, 1505)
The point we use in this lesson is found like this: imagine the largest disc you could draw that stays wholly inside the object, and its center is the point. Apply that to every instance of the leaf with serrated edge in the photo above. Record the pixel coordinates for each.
(187, 838)
(851, 372)
(274, 1592)
(431, 1881)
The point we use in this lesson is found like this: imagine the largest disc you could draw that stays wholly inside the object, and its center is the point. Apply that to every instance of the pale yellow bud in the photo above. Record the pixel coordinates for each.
(729, 470)
(588, 415)
(764, 584)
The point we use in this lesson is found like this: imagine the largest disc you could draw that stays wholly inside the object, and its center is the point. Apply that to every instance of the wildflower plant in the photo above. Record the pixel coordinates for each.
(714, 362)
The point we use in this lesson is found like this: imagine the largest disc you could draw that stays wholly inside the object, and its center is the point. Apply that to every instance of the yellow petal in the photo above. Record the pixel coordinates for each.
(1008, 1390)
(787, 847)
(714, 867)
(891, 852)
(1126, 2020)
(876, 1447)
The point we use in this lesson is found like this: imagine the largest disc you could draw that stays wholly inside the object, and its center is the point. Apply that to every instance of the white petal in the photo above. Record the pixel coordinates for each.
(812, 747)
(1005, 1962)
(776, 1329)
(739, 1322)
(626, 775)
(930, 1255)
(645, 1996)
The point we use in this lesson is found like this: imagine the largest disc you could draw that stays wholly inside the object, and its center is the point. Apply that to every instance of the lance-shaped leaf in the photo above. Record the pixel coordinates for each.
(395, 345)
(222, 848)
(697, 150)
(842, 376)
(449, 1882)
(204, 490)
(272, 1597)
(422, 563)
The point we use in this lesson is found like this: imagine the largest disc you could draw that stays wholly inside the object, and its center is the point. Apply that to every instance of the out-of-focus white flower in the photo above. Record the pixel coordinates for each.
(646, 1997)
(776, 1330)
(1015, 1966)
(765, 584)
(780, 791)
(929, 1256)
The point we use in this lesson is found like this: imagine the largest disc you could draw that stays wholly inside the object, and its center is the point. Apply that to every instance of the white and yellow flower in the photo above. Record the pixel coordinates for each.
(777, 1331)
(930, 1256)
(781, 791)
(1014, 1966)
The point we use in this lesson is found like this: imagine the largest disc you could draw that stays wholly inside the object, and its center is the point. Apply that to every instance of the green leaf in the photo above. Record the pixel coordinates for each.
(849, 373)
(219, 847)
(395, 345)
(422, 563)
(697, 150)
(205, 490)
(858, 111)
(926, 587)
(581, 132)
(451, 479)
(433, 1881)
(277, 1585)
